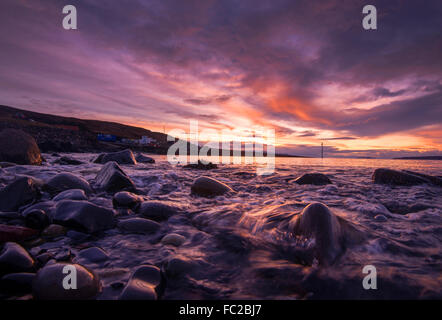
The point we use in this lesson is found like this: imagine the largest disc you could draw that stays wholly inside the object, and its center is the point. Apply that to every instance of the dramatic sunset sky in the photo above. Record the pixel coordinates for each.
(305, 68)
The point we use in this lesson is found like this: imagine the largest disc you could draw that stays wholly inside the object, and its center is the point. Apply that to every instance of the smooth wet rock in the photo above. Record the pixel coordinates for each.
(47, 206)
(144, 159)
(208, 187)
(19, 147)
(436, 180)
(173, 239)
(313, 178)
(17, 283)
(126, 199)
(201, 166)
(72, 194)
(139, 225)
(66, 181)
(83, 215)
(54, 231)
(142, 284)
(316, 220)
(399, 178)
(36, 219)
(111, 178)
(68, 161)
(16, 233)
(380, 218)
(93, 254)
(14, 258)
(120, 157)
(48, 283)
(158, 210)
(22, 191)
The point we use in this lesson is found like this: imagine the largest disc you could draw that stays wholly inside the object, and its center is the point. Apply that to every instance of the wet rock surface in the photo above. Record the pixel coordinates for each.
(201, 166)
(48, 283)
(72, 194)
(313, 178)
(16, 233)
(158, 210)
(269, 239)
(142, 284)
(207, 187)
(139, 225)
(65, 181)
(83, 215)
(126, 199)
(112, 178)
(144, 159)
(22, 191)
(14, 258)
(120, 157)
(403, 178)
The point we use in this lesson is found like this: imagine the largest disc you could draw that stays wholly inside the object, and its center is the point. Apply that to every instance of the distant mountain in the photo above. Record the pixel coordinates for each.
(420, 158)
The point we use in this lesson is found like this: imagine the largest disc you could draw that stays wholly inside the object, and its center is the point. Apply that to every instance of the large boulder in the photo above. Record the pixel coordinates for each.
(111, 178)
(83, 215)
(66, 181)
(14, 258)
(16, 233)
(19, 147)
(317, 221)
(402, 178)
(22, 191)
(313, 178)
(120, 157)
(142, 284)
(208, 187)
(50, 280)
(144, 159)
(158, 210)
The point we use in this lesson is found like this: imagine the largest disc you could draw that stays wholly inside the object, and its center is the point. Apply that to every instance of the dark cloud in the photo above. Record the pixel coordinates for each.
(208, 100)
(243, 48)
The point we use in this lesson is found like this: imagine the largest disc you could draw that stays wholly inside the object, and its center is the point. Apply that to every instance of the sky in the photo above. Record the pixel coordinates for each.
(306, 69)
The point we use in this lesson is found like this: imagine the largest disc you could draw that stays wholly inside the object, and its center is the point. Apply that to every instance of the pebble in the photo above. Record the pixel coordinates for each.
(173, 239)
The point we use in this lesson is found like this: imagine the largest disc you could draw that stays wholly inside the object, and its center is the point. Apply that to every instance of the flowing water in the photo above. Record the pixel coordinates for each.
(240, 246)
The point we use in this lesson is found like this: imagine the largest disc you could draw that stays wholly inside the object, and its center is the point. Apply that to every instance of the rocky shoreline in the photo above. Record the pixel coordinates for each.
(135, 228)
